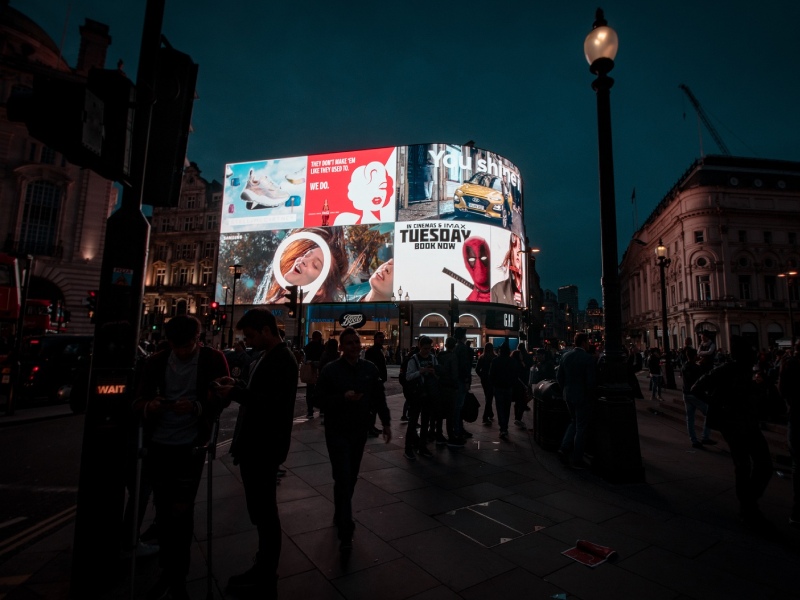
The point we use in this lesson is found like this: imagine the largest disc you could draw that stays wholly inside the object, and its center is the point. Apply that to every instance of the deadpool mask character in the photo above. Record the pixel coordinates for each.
(476, 259)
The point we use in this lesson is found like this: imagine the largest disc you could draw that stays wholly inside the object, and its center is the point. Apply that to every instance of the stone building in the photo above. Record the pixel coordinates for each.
(52, 211)
(183, 250)
(730, 228)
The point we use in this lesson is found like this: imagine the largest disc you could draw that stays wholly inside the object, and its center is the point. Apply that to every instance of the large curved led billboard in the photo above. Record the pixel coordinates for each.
(359, 225)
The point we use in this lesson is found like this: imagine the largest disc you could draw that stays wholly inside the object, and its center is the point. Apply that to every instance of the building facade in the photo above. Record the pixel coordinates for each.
(730, 227)
(182, 258)
(53, 212)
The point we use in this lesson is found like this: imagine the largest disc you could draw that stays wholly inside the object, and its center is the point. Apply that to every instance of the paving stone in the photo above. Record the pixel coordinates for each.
(395, 580)
(435, 551)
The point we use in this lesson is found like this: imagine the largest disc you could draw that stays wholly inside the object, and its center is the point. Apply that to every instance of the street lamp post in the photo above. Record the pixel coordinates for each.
(663, 263)
(789, 276)
(617, 453)
(236, 272)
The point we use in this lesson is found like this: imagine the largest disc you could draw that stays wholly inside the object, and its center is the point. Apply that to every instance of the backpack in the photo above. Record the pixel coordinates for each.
(403, 368)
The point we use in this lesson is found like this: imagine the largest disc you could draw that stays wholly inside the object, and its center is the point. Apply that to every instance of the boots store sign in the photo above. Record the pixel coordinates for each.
(354, 320)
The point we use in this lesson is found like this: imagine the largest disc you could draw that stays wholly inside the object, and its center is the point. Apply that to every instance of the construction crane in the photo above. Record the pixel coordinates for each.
(701, 114)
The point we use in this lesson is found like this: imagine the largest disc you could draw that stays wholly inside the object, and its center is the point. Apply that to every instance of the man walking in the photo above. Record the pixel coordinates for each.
(261, 441)
(789, 387)
(312, 353)
(350, 388)
(176, 401)
(690, 372)
(576, 376)
(375, 355)
(728, 390)
(464, 360)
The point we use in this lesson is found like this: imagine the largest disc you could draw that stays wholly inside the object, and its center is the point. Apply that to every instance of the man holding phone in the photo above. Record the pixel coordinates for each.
(349, 390)
(261, 441)
(177, 401)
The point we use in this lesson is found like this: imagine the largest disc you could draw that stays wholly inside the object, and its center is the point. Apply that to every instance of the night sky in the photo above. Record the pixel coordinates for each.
(302, 77)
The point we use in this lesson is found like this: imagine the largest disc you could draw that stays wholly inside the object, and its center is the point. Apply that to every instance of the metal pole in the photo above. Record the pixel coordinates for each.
(212, 453)
(299, 317)
(789, 283)
(233, 308)
(670, 374)
(617, 452)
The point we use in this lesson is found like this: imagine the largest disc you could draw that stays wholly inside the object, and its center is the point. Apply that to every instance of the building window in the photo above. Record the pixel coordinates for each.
(208, 249)
(743, 262)
(672, 294)
(699, 238)
(701, 262)
(744, 287)
(742, 236)
(680, 291)
(767, 237)
(792, 238)
(191, 201)
(163, 226)
(161, 274)
(211, 222)
(33, 152)
(770, 282)
(704, 287)
(185, 252)
(39, 218)
(48, 156)
(161, 253)
(183, 276)
(188, 224)
(207, 276)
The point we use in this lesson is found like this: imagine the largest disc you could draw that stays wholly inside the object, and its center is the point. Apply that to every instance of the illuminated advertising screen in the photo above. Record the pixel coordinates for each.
(358, 225)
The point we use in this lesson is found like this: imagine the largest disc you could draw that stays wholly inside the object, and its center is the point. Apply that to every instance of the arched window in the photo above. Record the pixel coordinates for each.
(40, 218)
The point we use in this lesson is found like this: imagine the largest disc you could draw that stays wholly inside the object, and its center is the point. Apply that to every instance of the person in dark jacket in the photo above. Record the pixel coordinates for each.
(519, 393)
(349, 389)
(482, 371)
(728, 390)
(502, 373)
(789, 387)
(577, 376)
(375, 355)
(312, 352)
(447, 372)
(177, 403)
(261, 441)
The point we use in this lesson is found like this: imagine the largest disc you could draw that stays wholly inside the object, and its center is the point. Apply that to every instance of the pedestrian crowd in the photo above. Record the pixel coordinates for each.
(183, 387)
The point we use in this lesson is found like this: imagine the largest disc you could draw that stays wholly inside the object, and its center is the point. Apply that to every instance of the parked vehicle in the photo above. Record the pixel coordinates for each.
(48, 363)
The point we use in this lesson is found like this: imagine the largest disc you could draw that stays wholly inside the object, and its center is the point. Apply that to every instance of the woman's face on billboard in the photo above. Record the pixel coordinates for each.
(306, 268)
(382, 280)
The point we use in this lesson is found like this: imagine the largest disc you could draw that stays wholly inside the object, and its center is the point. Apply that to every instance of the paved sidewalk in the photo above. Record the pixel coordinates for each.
(490, 520)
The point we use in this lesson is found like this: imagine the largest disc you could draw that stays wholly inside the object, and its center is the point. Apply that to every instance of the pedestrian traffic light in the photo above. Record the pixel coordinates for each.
(291, 298)
(405, 313)
(454, 311)
(222, 319)
(91, 304)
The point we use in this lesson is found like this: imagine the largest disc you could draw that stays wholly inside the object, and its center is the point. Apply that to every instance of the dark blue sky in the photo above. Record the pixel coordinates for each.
(303, 77)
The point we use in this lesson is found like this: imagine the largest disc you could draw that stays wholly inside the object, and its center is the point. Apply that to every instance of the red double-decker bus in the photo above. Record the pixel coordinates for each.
(39, 316)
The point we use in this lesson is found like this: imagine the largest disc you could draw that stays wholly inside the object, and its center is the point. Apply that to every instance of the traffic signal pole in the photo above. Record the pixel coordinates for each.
(106, 455)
